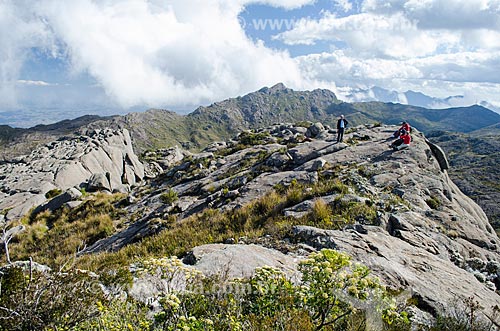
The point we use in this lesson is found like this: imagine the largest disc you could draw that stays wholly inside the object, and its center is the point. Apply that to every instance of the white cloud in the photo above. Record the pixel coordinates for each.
(154, 52)
(34, 83)
(373, 35)
(472, 75)
(418, 27)
(438, 46)
(21, 30)
(343, 5)
(346, 70)
(163, 53)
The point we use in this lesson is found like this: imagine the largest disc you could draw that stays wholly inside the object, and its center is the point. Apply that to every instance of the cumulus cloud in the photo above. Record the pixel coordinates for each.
(373, 35)
(429, 25)
(345, 69)
(179, 54)
(151, 52)
(468, 74)
(343, 5)
(431, 45)
(450, 14)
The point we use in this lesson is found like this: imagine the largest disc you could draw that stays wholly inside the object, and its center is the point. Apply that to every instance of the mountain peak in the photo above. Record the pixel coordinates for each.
(273, 89)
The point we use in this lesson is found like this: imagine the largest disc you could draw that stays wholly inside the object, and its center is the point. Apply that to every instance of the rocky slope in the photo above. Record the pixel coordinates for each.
(421, 234)
(220, 121)
(16, 142)
(397, 212)
(474, 158)
(102, 159)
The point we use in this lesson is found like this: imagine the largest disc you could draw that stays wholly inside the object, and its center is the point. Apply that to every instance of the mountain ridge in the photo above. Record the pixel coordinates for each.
(221, 120)
(410, 97)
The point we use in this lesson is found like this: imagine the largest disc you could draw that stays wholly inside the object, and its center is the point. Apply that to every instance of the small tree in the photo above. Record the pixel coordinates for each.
(47, 300)
(7, 234)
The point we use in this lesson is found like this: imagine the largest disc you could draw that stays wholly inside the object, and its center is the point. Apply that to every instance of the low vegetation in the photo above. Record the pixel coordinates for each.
(53, 238)
(333, 294)
(53, 193)
(433, 202)
(169, 197)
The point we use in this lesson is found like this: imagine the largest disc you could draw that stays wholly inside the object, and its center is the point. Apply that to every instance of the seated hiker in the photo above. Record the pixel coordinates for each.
(404, 127)
(403, 141)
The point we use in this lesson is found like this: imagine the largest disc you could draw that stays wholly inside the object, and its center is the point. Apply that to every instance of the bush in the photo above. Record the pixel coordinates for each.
(53, 193)
(46, 301)
(118, 315)
(329, 280)
(169, 197)
(53, 238)
(332, 295)
(433, 202)
(252, 139)
(322, 213)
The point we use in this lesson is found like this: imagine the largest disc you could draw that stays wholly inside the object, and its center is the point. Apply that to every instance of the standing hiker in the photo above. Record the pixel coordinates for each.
(341, 125)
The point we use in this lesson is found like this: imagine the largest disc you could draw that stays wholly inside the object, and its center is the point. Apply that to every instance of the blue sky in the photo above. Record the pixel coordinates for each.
(63, 59)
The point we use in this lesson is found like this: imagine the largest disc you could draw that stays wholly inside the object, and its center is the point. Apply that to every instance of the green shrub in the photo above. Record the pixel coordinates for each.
(332, 295)
(53, 238)
(169, 197)
(118, 315)
(322, 213)
(252, 139)
(303, 124)
(53, 193)
(433, 202)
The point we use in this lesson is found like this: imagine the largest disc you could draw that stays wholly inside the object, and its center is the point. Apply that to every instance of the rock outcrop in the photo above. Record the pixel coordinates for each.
(102, 159)
(428, 238)
(236, 261)
(425, 237)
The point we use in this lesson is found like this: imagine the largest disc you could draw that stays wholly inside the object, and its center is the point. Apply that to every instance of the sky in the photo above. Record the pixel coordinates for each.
(62, 59)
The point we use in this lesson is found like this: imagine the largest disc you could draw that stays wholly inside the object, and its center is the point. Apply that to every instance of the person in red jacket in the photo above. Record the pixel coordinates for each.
(403, 141)
(404, 126)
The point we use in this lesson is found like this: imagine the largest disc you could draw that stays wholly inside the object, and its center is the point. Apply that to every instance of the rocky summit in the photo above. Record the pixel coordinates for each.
(100, 160)
(396, 212)
(427, 236)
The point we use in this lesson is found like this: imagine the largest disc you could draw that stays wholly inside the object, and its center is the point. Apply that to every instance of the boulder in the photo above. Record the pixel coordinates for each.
(313, 237)
(60, 200)
(314, 130)
(70, 162)
(98, 182)
(152, 170)
(439, 154)
(234, 261)
(73, 204)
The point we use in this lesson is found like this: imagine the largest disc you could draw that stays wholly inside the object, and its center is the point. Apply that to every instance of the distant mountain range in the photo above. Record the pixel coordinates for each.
(220, 121)
(412, 98)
